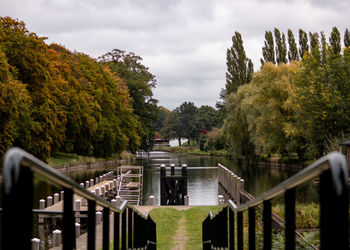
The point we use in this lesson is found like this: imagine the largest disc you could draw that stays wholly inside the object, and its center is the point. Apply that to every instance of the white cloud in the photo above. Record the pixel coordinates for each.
(183, 42)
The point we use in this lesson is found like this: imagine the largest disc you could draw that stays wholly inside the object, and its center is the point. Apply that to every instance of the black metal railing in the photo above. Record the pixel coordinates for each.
(334, 210)
(17, 226)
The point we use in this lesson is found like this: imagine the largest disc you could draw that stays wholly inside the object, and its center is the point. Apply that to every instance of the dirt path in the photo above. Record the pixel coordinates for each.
(180, 238)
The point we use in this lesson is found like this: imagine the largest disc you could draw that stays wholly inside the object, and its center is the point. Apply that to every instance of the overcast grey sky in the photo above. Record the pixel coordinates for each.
(182, 42)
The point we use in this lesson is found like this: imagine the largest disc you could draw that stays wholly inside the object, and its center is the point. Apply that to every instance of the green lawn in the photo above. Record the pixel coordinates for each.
(167, 225)
(60, 159)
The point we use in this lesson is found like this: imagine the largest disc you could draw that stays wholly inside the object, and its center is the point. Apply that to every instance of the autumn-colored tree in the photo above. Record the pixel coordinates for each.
(293, 49)
(281, 47)
(268, 50)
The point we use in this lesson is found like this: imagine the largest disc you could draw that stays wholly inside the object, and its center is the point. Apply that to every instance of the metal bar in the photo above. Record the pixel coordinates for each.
(130, 228)
(267, 225)
(68, 220)
(27, 160)
(91, 223)
(116, 232)
(124, 230)
(251, 218)
(334, 207)
(240, 230)
(332, 159)
(105, 233)
(232, 229)
(17, 201)
(289, 206)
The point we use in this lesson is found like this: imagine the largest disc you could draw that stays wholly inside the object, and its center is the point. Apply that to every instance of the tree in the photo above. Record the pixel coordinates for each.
(347, 38)
(293, 50)
(187, 111)
(334, 40)
(140, 82)
(268, 50)
(303, 43)
(239, 67)
(314, 41)
(205, 118)
(172, 127)
(281, 47)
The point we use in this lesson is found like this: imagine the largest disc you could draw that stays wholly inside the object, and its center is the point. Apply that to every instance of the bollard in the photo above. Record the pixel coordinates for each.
(91, 182)
(77, 211)
(187, 200)
(87, 184)
(98, 218)
(97, 191)
(82, 185)
(103, 191)
(56, 198)
(151, 200)
(97, 180)
(220, 199)
(111, 185)
(35, 244)
(41, 207)
(77, 230)
(106, 187)
(56, 241)
(62, 195)
(119, 200)
(114, 202)
(49, 201)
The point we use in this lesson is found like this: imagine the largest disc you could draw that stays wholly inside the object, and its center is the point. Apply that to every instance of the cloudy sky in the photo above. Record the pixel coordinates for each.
(182, 42)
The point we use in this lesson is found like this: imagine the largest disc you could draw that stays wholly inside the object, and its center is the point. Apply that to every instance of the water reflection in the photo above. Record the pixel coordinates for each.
(203, 182)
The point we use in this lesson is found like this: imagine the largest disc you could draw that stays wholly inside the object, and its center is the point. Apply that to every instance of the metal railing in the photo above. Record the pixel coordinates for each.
(17, 226)
(223, 229)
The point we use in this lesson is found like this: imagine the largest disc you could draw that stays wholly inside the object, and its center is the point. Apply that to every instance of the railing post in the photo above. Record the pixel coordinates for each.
(116, 231)
(232, 229)
(105, 245)
(240, 230)
(130, 225)
(289, 205)
(334, 209)
(162, 185)
(91, 225)
(184, 182)
(68, 220)
(17, 214)
(124, 230)
(251, 219)
(267, 225)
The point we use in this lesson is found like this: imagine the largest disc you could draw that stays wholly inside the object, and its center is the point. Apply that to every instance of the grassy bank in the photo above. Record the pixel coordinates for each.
(168, 226)
(193, 150)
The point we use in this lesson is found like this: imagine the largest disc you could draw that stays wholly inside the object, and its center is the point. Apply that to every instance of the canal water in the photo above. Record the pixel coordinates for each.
(203, 177)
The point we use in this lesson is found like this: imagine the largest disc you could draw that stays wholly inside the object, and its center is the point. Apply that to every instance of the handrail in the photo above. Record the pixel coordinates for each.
(18, 168)
(16, 157)
(335, 161)
(334, 209)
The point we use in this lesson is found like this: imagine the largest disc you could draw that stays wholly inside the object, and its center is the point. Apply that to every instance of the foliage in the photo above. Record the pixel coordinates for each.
(335, 41)
(347, 38)
(140, 83)
(268, 50)
(239, 66)
(52, 99)
(293, 50)
(303, 43)
(281, 47)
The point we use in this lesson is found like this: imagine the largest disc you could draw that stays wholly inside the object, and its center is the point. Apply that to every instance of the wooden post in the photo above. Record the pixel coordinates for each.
(184, 182)
(98, 218)
(77, 211)
(172, 169)
(77, 230)
(62, 195)
(56, 198)
(162, 185)
(41, 207)
(151, 200)
(35, 244)
(91, 182)
(187, 200)
(56, 241)
(87, 184)
(49, 201)
(97, 191)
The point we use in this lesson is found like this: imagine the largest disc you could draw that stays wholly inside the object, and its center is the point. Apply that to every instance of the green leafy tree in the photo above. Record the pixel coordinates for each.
(314, 41)
(206, 118)
(187, 111)
(239, 66)
(335, 40)
(140, 82)
(268, 50)
(172, 128)
(293, 49)
(303, 43)
(347, 38)
(281, 47)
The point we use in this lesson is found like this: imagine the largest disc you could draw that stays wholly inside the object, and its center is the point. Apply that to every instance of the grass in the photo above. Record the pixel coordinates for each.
(167, 225)
(60, 159)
